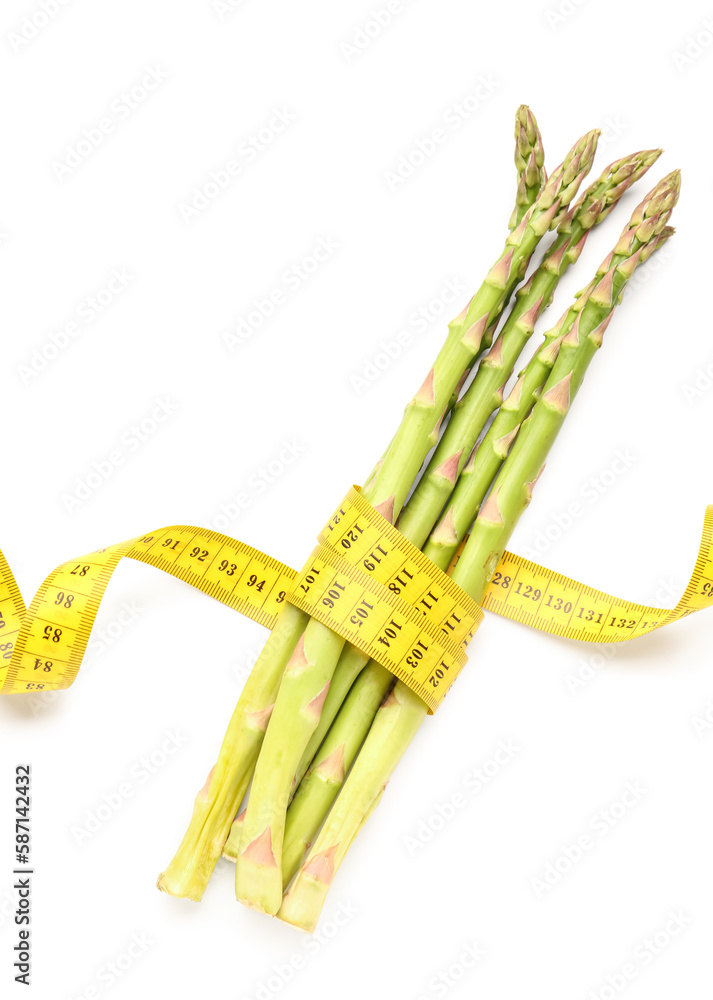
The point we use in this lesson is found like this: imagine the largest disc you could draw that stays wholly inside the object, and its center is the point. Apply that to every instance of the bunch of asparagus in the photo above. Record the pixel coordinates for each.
(319, 728)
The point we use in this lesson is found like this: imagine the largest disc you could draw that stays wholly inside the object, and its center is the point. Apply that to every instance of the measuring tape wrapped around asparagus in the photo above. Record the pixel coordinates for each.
(399, 717)
(191, 868)
(311, 650)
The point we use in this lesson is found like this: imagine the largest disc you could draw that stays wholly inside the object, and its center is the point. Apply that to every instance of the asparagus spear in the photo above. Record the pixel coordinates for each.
(217, 802)
(399, 718)
(321, 784)
(305, 683)
(485, 395)
(531, 177)
(529, 162)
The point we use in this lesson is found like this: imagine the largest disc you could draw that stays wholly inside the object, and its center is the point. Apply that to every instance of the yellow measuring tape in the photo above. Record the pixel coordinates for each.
(364, 580)
(377, 590)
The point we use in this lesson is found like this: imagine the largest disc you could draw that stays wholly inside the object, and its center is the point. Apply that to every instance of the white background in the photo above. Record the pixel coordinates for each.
(177, 662)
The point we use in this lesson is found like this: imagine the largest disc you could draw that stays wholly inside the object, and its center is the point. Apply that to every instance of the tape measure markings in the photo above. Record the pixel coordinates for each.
(356, 503)
(224, 588)
(456, 617)
(364, 584)
(604, 618)
(409, 641)
(412, 598)
(375, 589)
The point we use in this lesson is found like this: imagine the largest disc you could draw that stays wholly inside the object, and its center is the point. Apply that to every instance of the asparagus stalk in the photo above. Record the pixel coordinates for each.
(305, 684)
(489, 454)
(217, 802)
(529, 162)
(531, 177)
(321, 784)
(401, 715)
